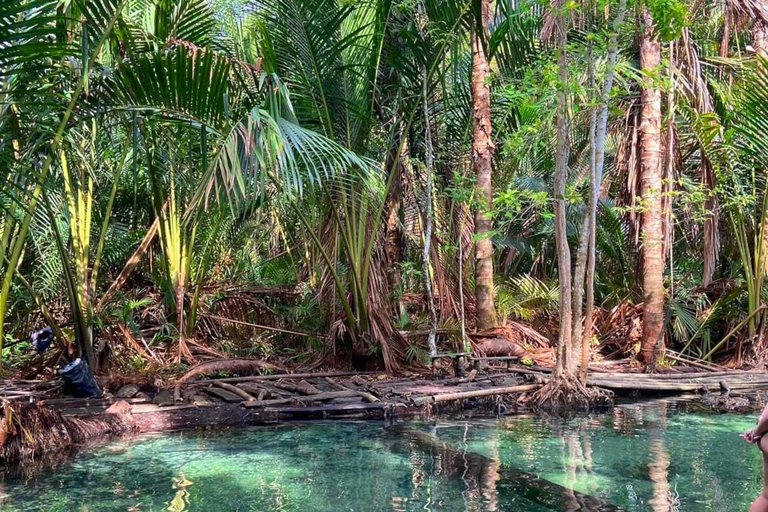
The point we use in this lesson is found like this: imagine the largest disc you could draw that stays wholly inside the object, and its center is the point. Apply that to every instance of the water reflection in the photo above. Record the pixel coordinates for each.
(180, 500)
(638, 459)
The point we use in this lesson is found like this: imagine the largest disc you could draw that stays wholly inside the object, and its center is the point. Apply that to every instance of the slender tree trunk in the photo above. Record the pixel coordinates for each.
(393, 233)
(582, 251)
(601, 129)
(564, 364)
(760, 44)
(428, 217)
(652, 186)
(482, 159)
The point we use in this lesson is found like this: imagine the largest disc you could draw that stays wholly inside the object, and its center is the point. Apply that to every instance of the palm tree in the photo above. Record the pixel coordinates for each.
(652, 187)
(23, 35)
(172, 76)
(482, 157)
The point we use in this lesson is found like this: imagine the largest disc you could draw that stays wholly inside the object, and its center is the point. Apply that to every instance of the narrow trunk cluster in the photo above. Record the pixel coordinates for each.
(598, 133)
(565, 363)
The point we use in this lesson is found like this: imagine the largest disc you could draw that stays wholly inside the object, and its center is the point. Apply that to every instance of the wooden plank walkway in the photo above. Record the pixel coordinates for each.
(269, 398)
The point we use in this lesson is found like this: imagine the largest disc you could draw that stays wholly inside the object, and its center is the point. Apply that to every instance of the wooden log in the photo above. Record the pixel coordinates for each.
(267, 403)
(303, 387)
(278, 376)
(368, 397)
(461, 395)
(234, 389)
(225, 395)
(329, 409)
(88, 402)
(645, 386)
(683, 376)
(334, 384)
(317, 397)
(257, 387)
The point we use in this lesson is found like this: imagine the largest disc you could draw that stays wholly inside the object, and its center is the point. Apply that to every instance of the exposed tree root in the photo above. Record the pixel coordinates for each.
(568, 393)
(28, 431)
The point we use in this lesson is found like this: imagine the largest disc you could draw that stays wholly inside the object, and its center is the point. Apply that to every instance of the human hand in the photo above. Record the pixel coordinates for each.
(749, 436)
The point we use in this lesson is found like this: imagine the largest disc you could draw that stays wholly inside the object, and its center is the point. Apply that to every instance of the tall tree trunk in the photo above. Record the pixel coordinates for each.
(582, 250)
(564, 364)
(482, 159)
(564, 390)
(393, 234)
(428, 216)
(596, 176)
(652, 186)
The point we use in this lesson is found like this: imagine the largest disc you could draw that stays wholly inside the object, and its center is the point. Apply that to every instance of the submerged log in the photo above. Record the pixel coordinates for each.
(324, 411)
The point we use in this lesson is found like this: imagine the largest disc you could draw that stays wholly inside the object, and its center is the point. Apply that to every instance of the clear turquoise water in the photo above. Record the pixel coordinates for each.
(639, 458)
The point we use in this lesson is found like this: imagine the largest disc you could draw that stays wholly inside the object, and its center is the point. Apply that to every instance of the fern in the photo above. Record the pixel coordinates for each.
(526, 297)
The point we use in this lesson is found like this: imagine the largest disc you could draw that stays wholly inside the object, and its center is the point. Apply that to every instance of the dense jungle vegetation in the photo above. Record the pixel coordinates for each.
(366, 182)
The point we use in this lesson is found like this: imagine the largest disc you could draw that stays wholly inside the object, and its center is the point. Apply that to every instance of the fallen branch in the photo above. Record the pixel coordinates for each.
(448, 397)
(263, 327)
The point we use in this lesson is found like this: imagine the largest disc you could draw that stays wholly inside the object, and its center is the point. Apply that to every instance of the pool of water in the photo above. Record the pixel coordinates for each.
(654, 457)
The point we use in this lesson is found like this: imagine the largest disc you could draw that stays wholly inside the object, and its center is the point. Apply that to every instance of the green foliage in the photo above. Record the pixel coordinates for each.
(525, 297)
(272, 139)
(669, 16)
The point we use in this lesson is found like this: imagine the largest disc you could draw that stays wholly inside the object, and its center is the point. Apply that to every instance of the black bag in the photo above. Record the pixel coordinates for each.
(79, 381)
(42, 339)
